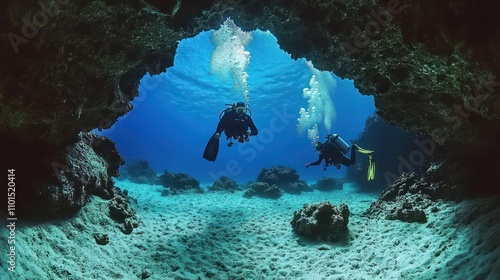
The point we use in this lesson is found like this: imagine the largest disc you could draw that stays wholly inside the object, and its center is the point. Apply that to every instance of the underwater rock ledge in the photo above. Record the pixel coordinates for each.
(69, 67)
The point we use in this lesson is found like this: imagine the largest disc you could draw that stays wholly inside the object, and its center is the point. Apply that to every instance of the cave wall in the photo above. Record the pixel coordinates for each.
(63, 63)
(71, 66)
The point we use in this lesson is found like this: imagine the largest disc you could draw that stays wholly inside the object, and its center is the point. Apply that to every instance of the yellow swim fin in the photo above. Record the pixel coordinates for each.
(371, 162)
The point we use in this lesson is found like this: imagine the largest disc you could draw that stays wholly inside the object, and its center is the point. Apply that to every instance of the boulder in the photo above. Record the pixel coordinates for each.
(121, 211)
(140, 172)
(263, 190)
(224, 183)
(321, 221)
(284, 177)
(180, 183)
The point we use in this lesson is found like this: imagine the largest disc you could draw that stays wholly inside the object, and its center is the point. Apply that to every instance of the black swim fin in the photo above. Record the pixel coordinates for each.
(212, 149)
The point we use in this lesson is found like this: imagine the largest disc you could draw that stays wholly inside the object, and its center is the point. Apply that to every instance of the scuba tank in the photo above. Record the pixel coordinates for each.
(339, 142)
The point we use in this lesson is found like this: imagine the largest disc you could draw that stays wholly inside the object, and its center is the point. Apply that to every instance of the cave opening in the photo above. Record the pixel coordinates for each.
(291, 103)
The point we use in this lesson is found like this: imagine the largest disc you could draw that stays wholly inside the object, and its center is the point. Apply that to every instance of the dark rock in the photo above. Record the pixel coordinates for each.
(84, 89)
(321, 221)
(328, 184)
(128, 225)
(180, 183)
(284, 177)
(121, 211)
(224, 183)
(88, 168)
(421, 184)
(58, 181)
(54, 85)
(405, 200)
(263, 190)
(140, 172)
(407, 210)
(145, 274)
(101, 239)
(297, 187)
(400, 187)
(279, 175)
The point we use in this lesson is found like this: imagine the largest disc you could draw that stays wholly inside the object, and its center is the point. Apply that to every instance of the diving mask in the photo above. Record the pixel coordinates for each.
(241, 109)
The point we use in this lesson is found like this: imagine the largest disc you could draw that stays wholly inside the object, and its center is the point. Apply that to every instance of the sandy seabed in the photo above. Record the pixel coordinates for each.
(227, 236)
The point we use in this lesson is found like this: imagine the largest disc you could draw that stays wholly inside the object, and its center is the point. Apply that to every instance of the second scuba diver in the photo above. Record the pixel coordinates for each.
(333, 150)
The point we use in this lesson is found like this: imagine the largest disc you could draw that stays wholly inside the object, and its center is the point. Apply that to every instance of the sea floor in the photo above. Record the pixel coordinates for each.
(227, 236)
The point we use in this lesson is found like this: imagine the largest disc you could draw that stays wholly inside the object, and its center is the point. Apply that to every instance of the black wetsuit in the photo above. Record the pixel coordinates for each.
(235, 126)
(334, 156)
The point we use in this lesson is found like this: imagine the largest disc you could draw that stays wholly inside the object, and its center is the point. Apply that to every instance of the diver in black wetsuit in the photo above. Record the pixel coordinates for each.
(332, 154)
(333, 150)
(236, 124)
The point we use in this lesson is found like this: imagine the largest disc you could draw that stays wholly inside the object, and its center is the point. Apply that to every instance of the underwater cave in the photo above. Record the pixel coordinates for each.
(89, 90)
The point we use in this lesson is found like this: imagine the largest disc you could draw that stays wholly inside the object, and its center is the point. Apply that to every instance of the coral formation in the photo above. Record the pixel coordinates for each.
(179, 183)
(140, 172)
(224, 183)
(84, 168)
(121, 211)
(321, 221)
(264, 190)
(284, 177)
(408, 197)
(101, 239)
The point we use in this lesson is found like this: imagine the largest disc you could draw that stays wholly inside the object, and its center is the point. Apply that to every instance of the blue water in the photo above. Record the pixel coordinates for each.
(176, 113)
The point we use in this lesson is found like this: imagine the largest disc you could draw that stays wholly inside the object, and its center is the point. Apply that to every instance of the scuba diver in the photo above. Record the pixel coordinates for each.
(235, 122)
(333, 150)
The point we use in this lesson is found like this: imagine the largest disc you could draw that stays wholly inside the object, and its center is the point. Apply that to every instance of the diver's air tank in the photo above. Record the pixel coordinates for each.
(337, 140)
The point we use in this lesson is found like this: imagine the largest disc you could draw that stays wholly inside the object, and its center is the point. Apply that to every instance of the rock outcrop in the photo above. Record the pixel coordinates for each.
(121, 211)
(285, 178)
(263, 190)
(139, 171)
(179, 183)
(225, 183)
(410, 197)
(67, 179)
(321, 221)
